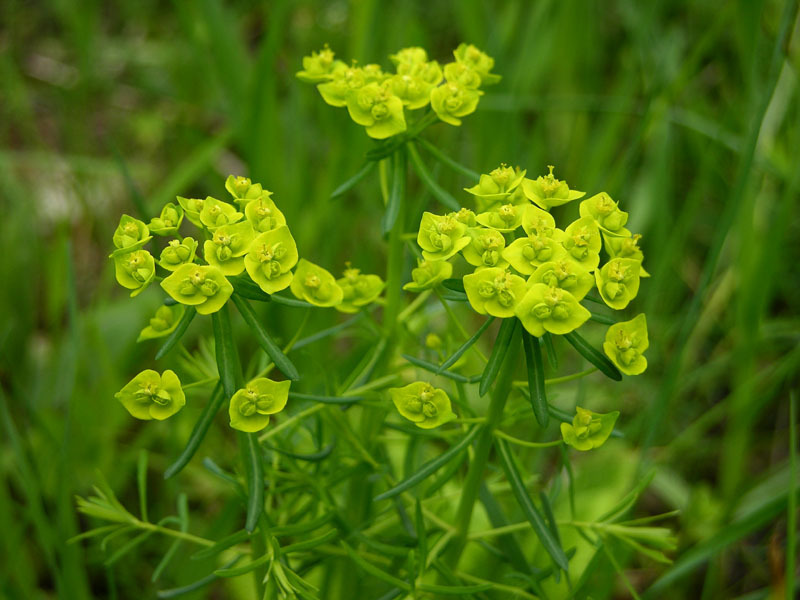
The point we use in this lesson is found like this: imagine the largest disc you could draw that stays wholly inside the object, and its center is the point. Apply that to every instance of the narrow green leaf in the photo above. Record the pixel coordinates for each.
(550, 350)
(454, 284)
(430, 467)
(549, 542)
(507, 542)
(433, 368)
(187, 589)
(397, 191)
(325, 399)
(326, 537)
(222, 545)
(595, 357)
(227, 356)
(299, 528)
(141, 479)
(385, 149)
(255, 482)
(422, 534)
(447, 161)
(600, 318)
(183, 515)
(251, 566)
(354, 180)
(127, 547)
(438, 192)
(629, 499)
(536, 393)
(264, 340)
(453, 590)
(314, 457)
(174, 337)
(454, 296)
(246, 288)
(375, 571)
(549, 516)
(199, 432)
(499, 351)
(465, 346)
(286, 301)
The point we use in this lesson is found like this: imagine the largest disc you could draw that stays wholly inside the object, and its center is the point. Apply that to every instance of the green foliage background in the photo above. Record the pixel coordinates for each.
(685, 112)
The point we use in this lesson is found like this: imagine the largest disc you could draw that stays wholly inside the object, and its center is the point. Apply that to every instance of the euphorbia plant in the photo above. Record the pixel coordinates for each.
(515, 260)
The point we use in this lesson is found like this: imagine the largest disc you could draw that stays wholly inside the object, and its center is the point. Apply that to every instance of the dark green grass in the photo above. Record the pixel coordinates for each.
(685, 112)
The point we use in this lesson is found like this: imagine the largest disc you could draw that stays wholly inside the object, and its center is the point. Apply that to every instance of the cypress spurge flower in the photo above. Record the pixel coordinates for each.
(203, 287)
(251, 406)
(135, 270)
(191, 208)
(506, 217)
(163, 322)
(465, 216)
(131, 234)
(414, 82)
(263, 214)
(318, 67)
(216, 213)
(582, 242)
(543, 243)
(545, 308)
(588, 429)
(168, 222)
(428, 275)
(565, 274)
(358, 290)
(408, 58)
(498, 184)
(422, 404)
(546, 191)
(177, 253)
(625, 247)
(344, 81)
(485, 249)
(152, 396)
(478, 61)
(375, 107)
(441, 237)
(227, 247)
(243, 190)
(270, 259)
(606, 213)
(315, 285)
(618, 281)
(494, 291)
(625, 345)
(463, 75)
(452, 101)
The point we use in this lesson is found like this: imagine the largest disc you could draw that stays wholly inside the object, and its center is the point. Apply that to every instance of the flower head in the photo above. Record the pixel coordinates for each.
(428, 275)
(625, 247)
(204, 287)
(618, 281)
(452, 101)
(478, 61)
(252, 405)
(191, 208)
(377, 108)
(422, 404)
(494, 291)
(625, 345)
(163, 322)
(565, 274)
(216, 214)
(606, 213)
(168, 222)
(358, 290)
(131, 234)
(263, 214)
(497, 185)
(588, 429)
(270, 258)
(546, 308)
(177, 253)
(485, 249)
(315, 285)
(582, 242)
(319, 66)
(441, 237)
(546, 191)
(227, 247)
(135, 270)
(152, 396)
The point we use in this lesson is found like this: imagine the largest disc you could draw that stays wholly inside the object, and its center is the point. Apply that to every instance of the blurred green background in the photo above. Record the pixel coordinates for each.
(685, 112)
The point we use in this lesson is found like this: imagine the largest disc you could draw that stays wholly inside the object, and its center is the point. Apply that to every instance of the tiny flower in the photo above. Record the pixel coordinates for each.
(543, 244)
(588, 429)
(251, 406)
(216, 213)
(191, 208)
(203, 287)
(485, 249)
(163, 322)
(152, 396)
(244, 191)
(565, 274)
(606, 213)
(428, 275)
(318, 67)
(478, 61)
(358, 290)
(409, 57)
(625, 247)
(547, 191)
(618, 281)
(270, 259)
(375, 107)
(422, 404)
(131, 234)
(625, 345)
(135, 270)
(452, 101)
(441, 237)
(263, 214)
(582, 242)
(546, 308)
(169, 221)
(227, 247)
(494, 291)
(414, 84)
(433, 341)
(315, 285)
(344, 81)
(177, 253)
(465, 216)
(498, 184)
(506, 217)
(462, 75)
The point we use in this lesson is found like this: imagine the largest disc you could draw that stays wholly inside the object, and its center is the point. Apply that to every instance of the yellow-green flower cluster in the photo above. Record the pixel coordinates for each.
(525, 266)
(422, 404)
(379, 100)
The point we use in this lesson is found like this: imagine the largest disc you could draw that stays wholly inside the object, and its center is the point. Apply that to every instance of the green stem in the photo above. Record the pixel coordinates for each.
(483, 447)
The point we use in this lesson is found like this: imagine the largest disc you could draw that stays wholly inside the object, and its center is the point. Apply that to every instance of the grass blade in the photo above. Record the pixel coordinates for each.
(546, 537)
(397, 191)
(264, 340)
(536, 393)
(499, 351)
(465, 346)
(174, 337)
(198, 433)
(590, 353)
(438, 192)
(430, 467)
(354, 180)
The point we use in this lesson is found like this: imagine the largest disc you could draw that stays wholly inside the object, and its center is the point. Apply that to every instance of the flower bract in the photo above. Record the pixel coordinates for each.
(494, 291)
(428, 275)
(216, 213)
(152, 396)
(545, 308)
(135, 270)
(204, 287)
(618, 281)
(191, 208)
(163, 322)
(625, 345)
(588, 429)
(318, 67)
(131, 234)
(315, 285)
(609, 218)
(358, 290)
(565, 274)
(452, 101)
(252, 405)
(270, 259)
(582, 242)
(177, 253)
(441, 237)
(485, 249)
(546, 191)
(263, 214)
(227, 247)
(375, 107)
(422, 404)
(168, 222)
(478, 61)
